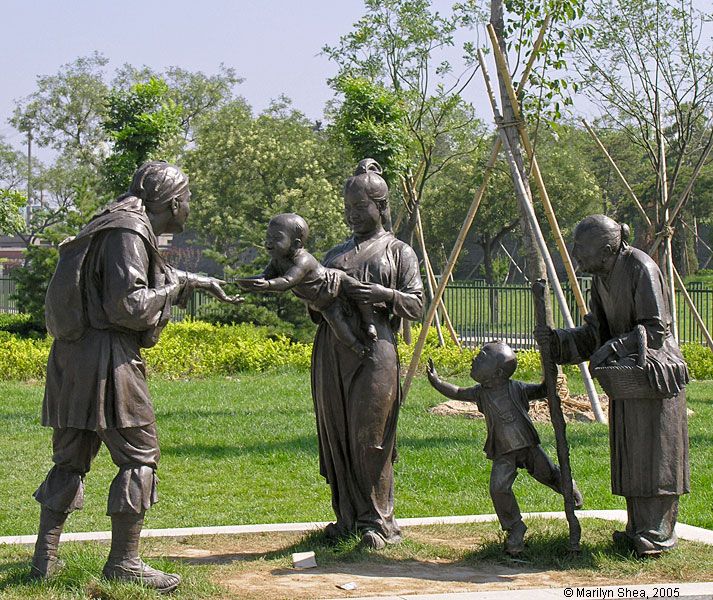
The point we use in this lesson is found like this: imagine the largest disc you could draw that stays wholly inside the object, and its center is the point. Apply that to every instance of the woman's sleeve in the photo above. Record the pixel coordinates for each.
(652, 306)
(127, 299)
(408, 292)
(576, 345)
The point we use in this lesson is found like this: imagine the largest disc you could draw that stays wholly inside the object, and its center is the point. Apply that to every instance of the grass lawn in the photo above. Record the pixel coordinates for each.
(243, 450)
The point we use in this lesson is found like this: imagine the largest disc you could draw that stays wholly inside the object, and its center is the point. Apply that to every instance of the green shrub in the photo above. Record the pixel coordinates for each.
(195, 348)
(281, 314)
(199, 349)
(21, 324)
(32, 279)
(449, 359)
(699, 359)
(21, 358)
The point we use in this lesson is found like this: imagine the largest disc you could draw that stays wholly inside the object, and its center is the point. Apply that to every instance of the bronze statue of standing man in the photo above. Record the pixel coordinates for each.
(630, 324)
(110, 296)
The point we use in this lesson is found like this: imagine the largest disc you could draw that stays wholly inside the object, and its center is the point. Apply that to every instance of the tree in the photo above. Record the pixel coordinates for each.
(65, 112)
(13, 170)
(142, 122)
(572, 186)
(246, 169)
(403, 47)
(32, 279)
(11, 204)
(568, 162)
(648, 69)
(372, 122)
(195, 92)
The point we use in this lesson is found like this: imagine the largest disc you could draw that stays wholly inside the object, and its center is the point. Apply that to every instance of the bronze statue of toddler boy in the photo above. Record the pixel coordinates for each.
(512, 442)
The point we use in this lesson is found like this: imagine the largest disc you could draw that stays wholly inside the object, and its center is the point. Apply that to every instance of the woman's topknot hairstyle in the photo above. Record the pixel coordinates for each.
(157, 182)
(368, 178)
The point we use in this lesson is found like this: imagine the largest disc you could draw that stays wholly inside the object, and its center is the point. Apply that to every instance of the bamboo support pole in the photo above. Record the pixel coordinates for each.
(514, 262)
(699, 239)
(619, 174)
(667, 231)
(455, 252)
(426, 262)
(540, 239)
(686, 192)
(429, 286)
(686, 296)
(535, 171)
(433, 284)
(467, 222)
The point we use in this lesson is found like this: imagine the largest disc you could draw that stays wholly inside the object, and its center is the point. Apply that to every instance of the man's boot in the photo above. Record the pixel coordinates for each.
(124, 563)
(45, 563)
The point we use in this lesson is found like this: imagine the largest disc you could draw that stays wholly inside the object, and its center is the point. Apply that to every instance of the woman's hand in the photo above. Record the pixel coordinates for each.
(372, 293)
(543, 336)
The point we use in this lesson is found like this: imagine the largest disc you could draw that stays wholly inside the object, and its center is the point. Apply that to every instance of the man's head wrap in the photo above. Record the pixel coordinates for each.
(157, 182)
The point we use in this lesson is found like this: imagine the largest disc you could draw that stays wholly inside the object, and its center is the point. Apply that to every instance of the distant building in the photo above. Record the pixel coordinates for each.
(12, 251)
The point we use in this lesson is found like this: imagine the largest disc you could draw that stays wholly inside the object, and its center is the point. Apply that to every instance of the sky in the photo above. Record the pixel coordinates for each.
(273, 44)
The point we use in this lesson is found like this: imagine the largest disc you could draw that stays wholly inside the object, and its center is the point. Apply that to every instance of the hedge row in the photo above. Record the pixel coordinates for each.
(198, 349)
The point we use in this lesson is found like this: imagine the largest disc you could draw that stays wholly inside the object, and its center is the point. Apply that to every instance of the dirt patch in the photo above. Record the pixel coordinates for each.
(432, 559)
(402, 578)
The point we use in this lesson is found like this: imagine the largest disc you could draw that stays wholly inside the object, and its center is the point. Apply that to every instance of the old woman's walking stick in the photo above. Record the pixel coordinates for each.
(540, 291)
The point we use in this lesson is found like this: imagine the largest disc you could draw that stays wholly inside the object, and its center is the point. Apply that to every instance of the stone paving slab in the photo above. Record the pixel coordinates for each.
(689, 591)
(684, 532)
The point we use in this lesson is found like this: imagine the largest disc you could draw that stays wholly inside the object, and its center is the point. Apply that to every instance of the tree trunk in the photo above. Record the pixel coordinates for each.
(535, 264)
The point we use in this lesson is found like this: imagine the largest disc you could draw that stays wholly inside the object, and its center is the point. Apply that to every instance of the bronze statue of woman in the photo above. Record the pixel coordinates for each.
(630, 322)
(357, 399)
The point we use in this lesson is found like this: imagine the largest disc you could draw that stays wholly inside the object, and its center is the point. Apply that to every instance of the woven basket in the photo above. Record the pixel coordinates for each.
(623, 381)
(629, 380)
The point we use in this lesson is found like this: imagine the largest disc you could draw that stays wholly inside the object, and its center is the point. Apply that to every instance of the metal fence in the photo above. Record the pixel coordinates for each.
(481, 312)
(7, 288)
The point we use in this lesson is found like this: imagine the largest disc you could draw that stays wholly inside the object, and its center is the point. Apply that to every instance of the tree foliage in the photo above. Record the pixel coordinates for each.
(141, 122)
(405, 49)
(647, 64)
(372, 122)
(65, 111)
(11, 204)
(32, 279)
(246, 169)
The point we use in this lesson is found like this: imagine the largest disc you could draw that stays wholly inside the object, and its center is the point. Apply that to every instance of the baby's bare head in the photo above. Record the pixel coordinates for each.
(286, 233)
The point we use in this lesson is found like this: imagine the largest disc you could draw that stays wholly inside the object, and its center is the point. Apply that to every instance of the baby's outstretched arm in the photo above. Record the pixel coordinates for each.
(292, 277)
(448, 389)
(286, 281)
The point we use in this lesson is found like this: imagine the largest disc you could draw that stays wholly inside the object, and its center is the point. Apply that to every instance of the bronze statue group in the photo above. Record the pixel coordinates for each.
(112, 294)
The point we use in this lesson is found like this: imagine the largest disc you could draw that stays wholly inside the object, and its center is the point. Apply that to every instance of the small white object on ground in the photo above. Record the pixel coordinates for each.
(304, 560)
(348, 586)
